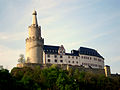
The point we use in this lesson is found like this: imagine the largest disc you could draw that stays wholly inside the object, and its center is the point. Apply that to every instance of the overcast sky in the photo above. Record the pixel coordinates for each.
(72, 23)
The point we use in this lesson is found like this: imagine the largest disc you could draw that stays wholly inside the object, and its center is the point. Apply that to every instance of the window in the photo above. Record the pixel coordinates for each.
(61, 60)
(48, 60)
(76, 57)
(48, 55)
(95, 59)
(90, 58)
(82, 57)
(55, 56)
(72, 61)
(99, 60)
(60, 56)
(55, 60)
(72, 56)
(77, 62)
(68, 56)
(68, 61)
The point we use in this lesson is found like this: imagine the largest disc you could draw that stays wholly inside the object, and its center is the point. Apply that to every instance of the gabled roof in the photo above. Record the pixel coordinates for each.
(75, 52)
(51, 49)
(71, 54)
(89, 51)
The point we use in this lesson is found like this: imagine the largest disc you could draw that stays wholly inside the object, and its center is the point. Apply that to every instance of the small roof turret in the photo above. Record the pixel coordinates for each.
(34, 21)
(34, 13)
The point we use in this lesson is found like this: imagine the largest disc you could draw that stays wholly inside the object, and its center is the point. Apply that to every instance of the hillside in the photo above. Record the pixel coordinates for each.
(54, 78)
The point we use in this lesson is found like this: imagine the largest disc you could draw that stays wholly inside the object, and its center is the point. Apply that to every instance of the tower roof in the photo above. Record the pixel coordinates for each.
(34, 21)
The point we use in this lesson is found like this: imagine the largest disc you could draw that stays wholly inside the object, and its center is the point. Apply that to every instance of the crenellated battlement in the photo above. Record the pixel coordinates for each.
(34, 39)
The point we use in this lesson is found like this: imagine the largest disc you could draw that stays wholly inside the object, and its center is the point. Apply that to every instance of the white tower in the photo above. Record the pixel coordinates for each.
(34, 43)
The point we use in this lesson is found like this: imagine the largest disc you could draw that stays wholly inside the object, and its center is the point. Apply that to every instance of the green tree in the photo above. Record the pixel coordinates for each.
(21, 59)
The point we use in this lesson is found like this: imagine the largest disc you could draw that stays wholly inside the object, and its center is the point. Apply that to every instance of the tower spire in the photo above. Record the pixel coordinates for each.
(34, 21)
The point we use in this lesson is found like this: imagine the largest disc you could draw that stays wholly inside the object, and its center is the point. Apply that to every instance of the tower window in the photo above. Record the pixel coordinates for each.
(48, 60)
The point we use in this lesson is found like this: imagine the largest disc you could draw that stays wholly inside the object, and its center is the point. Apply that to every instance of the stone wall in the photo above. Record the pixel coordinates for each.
(64, 67)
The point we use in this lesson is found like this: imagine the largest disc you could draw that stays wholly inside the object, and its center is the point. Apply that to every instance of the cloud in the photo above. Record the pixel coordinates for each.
(10, 36)
(9, 57)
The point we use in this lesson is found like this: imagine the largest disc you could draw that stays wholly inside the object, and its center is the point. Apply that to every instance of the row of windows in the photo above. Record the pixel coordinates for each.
(62, 61)
(51, 50)
(98, 60)
(55, 56)
(83, 57)
(89, 64)
(86, 57)
(73, 62)
(73, 57)
(55, 60)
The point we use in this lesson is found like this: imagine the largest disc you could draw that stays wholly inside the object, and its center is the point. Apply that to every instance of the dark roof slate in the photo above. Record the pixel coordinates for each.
(71, 54)
(50, 49)
(89, 51)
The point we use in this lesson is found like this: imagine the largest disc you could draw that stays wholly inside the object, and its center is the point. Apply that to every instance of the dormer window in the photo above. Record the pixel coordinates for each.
(61, 50)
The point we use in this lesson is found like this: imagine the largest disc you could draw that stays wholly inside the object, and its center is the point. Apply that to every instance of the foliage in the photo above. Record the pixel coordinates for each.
(21, 59)
(53, 78)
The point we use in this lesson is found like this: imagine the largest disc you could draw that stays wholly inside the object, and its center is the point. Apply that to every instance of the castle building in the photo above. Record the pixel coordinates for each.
(37, 52)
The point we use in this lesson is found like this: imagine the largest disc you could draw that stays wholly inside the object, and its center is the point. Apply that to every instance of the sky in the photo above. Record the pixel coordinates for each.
(72, 23)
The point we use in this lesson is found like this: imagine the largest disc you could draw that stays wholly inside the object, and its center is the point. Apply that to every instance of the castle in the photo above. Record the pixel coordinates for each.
(38, 53)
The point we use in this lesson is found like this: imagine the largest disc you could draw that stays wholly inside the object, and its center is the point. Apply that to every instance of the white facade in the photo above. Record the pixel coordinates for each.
(84, 60)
